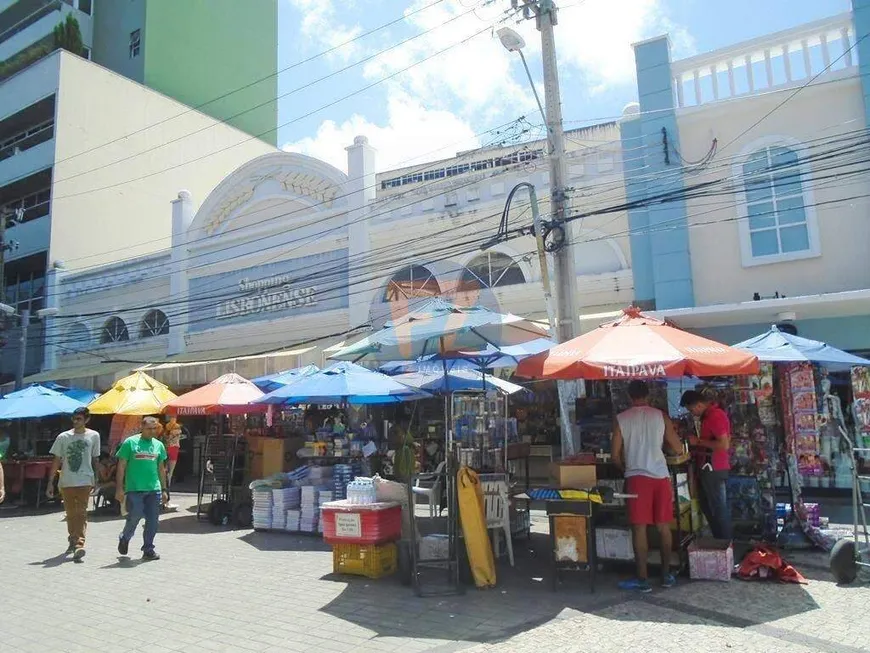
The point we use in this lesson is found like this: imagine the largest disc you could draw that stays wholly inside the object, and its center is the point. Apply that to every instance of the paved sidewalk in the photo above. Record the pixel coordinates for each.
(226, 590)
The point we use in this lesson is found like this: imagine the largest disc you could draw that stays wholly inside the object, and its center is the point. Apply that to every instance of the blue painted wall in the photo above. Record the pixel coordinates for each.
(662, 244)
(861, 19)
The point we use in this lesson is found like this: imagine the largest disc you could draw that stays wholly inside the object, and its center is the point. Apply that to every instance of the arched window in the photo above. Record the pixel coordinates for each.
(775, 207)
(77, 335)
(114, 330)
(155, 323)
(490, 270)
(412, 282)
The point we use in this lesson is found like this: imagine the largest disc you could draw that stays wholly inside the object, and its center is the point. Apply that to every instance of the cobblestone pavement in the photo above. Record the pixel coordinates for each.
(231, 590)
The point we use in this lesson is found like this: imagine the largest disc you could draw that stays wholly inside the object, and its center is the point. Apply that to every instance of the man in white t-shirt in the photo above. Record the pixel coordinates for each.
(639, 437)
(75, 453)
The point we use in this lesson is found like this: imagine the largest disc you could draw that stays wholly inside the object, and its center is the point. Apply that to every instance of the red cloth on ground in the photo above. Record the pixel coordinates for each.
(764, 562)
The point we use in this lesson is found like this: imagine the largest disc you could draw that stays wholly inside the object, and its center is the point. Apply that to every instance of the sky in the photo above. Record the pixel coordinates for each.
(434, 79)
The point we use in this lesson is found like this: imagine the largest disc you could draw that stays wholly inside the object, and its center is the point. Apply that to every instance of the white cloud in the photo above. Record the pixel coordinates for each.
(321, 26)
(475, 81)
(412, 134)
(596, 36)
(472, 75)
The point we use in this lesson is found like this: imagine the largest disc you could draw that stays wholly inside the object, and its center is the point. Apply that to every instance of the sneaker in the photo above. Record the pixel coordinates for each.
(79, 555)
(669, 580)
(71, 549)
(151, 555)
(636, 585)
(123, 546)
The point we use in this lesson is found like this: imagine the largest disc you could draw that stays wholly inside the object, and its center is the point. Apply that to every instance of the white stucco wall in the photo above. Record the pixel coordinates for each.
(818, 113)
(122, 153)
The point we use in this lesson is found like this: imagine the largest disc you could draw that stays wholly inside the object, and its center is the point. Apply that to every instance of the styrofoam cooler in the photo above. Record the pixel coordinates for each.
(711, 559)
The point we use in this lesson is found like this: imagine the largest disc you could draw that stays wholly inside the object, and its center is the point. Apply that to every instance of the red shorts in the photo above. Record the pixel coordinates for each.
(654, 503)
(172, 453)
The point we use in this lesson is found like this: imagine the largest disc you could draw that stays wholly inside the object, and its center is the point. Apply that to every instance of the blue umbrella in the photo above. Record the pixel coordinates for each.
(344, 383)
(36, 401)
(439, 327)
(79, 394)
(777, 346)
(456, 381)
(487, 358)
(271, 382)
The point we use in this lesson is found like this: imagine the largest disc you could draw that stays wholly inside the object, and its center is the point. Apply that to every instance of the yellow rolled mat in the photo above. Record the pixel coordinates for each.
(471, 512)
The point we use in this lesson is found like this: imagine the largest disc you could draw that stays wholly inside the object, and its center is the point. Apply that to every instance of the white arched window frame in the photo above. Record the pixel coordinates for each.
(155, 323)
(776, 207)
(492, 269)
(77, 335)
(114, 330)
(412, 282)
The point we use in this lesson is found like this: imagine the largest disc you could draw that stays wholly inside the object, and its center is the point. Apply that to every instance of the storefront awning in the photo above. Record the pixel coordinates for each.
(73, 373)
(771, 311)
(183, 370)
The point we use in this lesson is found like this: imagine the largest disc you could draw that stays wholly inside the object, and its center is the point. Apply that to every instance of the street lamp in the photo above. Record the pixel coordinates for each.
(513, 42)
(24, 316)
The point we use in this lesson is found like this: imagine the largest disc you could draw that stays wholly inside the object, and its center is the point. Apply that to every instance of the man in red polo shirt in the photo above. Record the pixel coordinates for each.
(712, 458)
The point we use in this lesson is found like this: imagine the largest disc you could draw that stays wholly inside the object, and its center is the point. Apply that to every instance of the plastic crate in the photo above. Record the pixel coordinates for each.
(376, 523)
(371, 561)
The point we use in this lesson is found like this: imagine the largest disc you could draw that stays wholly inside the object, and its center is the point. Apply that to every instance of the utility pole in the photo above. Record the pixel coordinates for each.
(544, 12)
(24, 316)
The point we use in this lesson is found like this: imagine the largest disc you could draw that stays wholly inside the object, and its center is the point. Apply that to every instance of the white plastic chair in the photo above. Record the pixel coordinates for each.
(497, 510)
(432, 493)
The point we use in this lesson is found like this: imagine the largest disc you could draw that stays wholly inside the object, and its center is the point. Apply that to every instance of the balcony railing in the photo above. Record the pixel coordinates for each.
(769, 63)
(26, 139)
(22, 15)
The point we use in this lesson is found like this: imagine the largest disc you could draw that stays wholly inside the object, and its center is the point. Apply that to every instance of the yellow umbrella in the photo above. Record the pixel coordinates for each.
(137, 394)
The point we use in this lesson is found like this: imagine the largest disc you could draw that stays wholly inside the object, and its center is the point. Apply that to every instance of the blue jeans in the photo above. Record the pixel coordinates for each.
(714, 503)
(142, 505)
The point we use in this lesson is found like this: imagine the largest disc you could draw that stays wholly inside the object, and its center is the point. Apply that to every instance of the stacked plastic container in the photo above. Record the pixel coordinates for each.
(341, 476)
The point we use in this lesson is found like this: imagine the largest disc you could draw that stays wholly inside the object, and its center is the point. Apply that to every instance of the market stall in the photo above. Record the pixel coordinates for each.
(634, 346)
(335, 452)
(225, 453)
(26, 461)
(444, 329)
(795, 428)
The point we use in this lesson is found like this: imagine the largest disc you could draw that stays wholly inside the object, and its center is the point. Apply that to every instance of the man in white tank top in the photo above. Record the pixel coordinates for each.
(639, 436)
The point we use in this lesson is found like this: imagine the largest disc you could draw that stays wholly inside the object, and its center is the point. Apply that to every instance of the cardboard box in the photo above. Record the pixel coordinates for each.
(577, 477)
(711, 559)
(614, 544)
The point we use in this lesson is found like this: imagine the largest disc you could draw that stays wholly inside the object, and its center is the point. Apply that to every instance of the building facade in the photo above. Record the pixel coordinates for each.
(229, 50)
(86, 183)
(750, 191)
(289, 253)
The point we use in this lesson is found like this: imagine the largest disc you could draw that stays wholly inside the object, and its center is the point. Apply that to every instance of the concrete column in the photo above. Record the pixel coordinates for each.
(634, 165)
(667, 230)
(861, 20)
(178, 311)
(53, 331)
(360, 191)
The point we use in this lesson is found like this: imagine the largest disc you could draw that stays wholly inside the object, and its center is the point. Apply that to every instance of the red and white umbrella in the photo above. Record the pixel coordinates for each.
(229, 394)
(637, 346)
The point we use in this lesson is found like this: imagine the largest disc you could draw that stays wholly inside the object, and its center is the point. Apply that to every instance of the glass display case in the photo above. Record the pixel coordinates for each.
(481, 430)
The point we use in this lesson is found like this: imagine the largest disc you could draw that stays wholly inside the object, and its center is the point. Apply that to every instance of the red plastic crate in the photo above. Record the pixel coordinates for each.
(345, 523)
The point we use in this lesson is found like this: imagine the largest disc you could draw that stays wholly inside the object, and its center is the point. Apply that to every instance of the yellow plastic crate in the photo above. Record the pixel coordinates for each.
(370, 560)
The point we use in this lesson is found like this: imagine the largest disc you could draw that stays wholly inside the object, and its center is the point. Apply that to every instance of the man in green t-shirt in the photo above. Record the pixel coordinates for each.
(141, 485)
